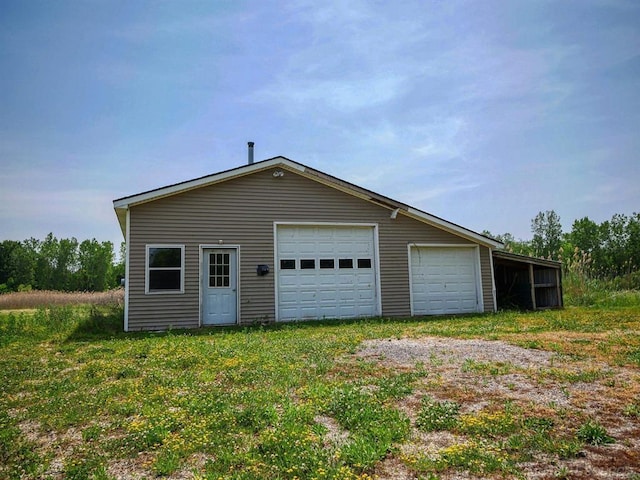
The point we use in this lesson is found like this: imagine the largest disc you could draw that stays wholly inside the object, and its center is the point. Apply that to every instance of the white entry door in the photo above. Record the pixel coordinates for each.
(219, 286)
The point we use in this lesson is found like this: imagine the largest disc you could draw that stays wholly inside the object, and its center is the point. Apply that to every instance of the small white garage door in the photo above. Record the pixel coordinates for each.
(326, 272)
(444, 280)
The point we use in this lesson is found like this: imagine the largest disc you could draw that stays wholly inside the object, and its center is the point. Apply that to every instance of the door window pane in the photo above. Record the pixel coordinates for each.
(219, 269)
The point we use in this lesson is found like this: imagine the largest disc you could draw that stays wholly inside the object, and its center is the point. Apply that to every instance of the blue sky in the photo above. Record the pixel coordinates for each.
(481, 112)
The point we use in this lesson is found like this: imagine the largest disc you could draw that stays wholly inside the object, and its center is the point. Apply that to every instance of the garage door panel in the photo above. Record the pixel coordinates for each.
(307, 281)
(365, 277)
(346, 279)
(328, 281)
(345, 294)
(288, 280)
(365, 295)
(307, 249)
(327, 296)
(444, 280)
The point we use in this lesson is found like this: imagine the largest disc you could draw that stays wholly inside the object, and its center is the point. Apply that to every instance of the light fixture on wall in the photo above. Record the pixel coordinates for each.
(278, 173)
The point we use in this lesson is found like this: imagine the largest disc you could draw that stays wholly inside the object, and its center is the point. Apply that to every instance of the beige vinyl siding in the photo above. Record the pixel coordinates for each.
(486, 273)
(242, 212)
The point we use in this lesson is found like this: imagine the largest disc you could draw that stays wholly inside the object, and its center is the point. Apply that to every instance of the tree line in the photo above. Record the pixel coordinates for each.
(59, 264)
(608, 251)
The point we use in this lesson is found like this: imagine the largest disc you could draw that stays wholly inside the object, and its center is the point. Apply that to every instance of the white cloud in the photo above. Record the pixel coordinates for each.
(355, 56)
(345, 96)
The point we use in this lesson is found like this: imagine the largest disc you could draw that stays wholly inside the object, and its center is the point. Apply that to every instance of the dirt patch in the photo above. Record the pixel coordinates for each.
(335, 436)
(432, 349)
(477, 373)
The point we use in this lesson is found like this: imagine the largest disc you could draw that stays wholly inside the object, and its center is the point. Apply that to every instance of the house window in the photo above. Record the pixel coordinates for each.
(165, 269)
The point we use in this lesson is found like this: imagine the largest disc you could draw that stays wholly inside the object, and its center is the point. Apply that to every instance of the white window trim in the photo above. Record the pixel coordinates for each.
(146, 269)
(478, 272)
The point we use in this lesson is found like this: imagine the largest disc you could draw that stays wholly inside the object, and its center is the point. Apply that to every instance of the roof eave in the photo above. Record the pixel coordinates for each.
(403, 208)
(453, 228)
(526, 259)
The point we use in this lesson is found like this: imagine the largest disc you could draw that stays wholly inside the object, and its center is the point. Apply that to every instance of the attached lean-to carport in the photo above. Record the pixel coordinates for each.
(526, 282)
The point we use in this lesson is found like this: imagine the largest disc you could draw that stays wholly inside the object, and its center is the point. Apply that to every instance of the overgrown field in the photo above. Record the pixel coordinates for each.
(552, 394)
(33, 299)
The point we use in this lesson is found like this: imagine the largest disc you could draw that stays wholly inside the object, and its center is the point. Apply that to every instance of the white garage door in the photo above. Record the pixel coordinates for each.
(444, 280)
(326, 272)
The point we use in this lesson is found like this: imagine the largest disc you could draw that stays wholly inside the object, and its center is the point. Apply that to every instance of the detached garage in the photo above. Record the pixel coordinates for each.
(277, 241)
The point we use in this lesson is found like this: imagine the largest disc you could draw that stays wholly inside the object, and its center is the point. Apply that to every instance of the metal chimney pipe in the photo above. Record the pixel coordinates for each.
(250, 144)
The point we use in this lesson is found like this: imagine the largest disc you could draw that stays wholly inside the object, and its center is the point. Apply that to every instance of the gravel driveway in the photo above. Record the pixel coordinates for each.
(477, 373)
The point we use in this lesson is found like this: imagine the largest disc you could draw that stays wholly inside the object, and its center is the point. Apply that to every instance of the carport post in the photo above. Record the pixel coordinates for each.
(533, 286)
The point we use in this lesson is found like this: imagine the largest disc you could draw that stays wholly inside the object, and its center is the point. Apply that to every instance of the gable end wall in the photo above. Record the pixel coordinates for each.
(242, 212)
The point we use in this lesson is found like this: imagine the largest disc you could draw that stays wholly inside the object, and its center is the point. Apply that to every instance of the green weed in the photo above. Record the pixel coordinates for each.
(395, 386)
(570, 376)
(487, 424)
(632, 409)
(475, 457)
(18, 457)
(593, 433)
(374, 427)
(487, 368)
(434, 415)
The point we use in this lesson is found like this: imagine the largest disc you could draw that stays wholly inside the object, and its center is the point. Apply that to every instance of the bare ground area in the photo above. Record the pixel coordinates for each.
(478, 373)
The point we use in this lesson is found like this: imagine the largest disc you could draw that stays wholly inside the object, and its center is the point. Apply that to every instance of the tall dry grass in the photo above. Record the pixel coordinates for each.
(47, 298)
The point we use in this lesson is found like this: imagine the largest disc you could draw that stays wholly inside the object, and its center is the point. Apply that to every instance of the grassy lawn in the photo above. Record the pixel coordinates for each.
(79, 399)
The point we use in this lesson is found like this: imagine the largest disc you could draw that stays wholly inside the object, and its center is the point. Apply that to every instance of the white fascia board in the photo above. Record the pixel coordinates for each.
(204, 181)
(453, 228)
